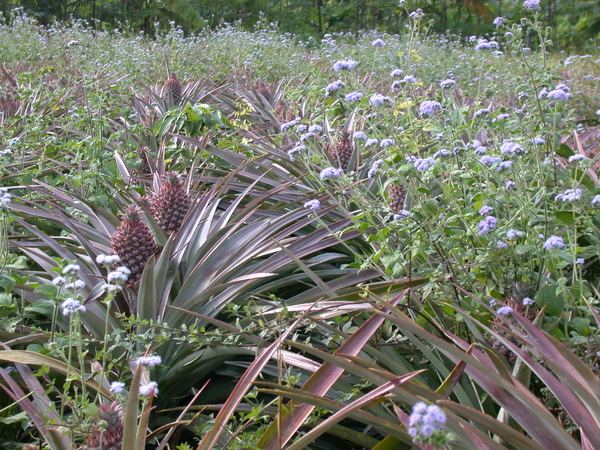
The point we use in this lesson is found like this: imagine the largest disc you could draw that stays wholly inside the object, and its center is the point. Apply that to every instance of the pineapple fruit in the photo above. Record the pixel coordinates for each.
(172, 88)
(396, 196)
(342, 151)
(170, 204)
(110, 435)
(133, 242)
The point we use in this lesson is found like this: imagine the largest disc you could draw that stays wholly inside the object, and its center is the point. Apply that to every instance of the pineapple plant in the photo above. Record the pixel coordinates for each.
(170, 204)
(108, 434)
(133, 242)
(172, 88)
(396, 196)
(342, 151)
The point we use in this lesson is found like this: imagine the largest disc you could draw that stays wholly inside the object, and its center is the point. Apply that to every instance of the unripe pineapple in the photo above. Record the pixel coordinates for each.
(342, 151)
(110, 437)
(145, 166)
(172, 88)
(263, 89)
(133, 242)
(396, 196)
(170, 204)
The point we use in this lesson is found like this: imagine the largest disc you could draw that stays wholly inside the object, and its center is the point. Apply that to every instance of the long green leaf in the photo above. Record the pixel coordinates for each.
(243, 385)
(319, 383)
(519, 401)
(347, 410)
(36, 359)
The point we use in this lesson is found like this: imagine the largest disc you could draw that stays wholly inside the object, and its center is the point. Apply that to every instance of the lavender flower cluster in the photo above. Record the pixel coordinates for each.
(425, 422)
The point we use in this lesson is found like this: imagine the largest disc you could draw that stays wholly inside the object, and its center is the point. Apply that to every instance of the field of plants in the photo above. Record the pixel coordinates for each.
(245, 240)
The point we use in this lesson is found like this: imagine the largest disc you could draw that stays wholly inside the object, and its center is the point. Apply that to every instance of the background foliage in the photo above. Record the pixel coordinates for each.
(572, 22)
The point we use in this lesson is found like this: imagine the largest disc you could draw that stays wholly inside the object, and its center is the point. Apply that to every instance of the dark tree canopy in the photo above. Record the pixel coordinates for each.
(574, 22)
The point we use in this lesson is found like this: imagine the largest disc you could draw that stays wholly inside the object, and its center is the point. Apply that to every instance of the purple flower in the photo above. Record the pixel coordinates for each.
(476, 144)
(315, 128)
(107, 259)
(442, 152)
(354, 96)
(77, 284)
(416, 14)
(493, 302)
(527, 301)
(510, 184)
(150, 361)
(512, 234)
(344, 65)
(379, 99)
(499, 21)
(5, 198)
(511, 148)
(119, 274)
(425, 420)
(72, 306)
(71, 269)
(554, 242)
(296, 149)
(360, 135)
(570, 195)
(486, 225)
(485, 210)
(386, 143)
(482, 112)
(409, 79)
(434, 417)
(306, 136)
(533, 5)
(149, 389)
(483, 45)
(422, 164)
(396, 73)
(378, 43)
(429, 108)
(596, 199)
(502, 117)
(401, 215)
(504, 310)
(447, 83)
(59, 281)
(116, 387)
(313, 205)
(576, 157)
(501, 245)
(560, 95)
(538, 141)
(374, 168)
(286, 126)
(580, 261)
(504, 165)
(330, 172)
(335, 86)
(488, 160)
(372, 141)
